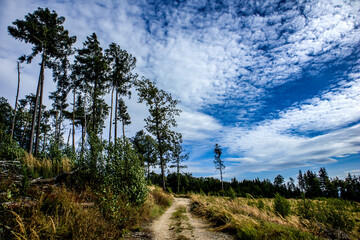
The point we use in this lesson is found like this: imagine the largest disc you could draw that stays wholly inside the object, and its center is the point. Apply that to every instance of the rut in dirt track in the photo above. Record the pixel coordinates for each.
(178, 223)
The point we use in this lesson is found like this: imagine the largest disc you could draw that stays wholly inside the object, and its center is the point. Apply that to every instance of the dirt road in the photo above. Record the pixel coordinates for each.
(178, 223)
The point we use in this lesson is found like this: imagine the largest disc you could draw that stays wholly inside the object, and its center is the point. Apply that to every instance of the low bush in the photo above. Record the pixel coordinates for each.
(281, 205)
(160, 197)
(333, 213)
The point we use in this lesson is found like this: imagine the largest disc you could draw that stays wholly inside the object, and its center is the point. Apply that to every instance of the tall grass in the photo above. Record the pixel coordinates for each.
(45, 167)
(249, 218)
(60, 213)
(57, 214)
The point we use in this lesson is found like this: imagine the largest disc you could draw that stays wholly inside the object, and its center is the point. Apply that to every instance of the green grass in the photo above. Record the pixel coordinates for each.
(252, 218)
(60, 213)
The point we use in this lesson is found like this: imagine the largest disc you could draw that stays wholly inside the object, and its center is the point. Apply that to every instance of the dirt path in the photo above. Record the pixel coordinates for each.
(178, 223)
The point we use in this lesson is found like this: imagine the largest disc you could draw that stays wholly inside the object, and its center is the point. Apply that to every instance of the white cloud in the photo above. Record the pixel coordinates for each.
(272, 144)
(196, 126)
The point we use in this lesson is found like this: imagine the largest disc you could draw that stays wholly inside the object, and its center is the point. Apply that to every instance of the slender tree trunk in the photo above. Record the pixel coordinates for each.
(44, 143)
(56, 126)
(16, 100)
(73, 123)
(59, 133)
(123, 129)
(36, 103)
(222, 184)
(162, 163)
(148, 175)
(40, 112)
(111, 112)
(94, 108)
(178, 177)
(162, 170)
(23, 135)
(68, 141)
(82, 137)
(84, 128)
(116, 114)
(160, 148)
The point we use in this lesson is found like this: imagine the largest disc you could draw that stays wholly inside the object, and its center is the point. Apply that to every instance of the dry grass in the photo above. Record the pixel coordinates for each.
(248, 218)
(45, 167)
(57, 214)
(60, 213)
(157, 202)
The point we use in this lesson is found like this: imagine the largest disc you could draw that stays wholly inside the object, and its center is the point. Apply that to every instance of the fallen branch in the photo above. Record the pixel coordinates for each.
(62, 177)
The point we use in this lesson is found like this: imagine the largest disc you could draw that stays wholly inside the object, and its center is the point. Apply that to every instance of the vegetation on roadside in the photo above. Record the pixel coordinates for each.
(250, 218)
(56, 212)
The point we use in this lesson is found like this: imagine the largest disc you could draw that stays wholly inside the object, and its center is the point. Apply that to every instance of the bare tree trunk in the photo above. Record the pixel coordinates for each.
(73, 123)
(40, 110)
(36, 103)
(178, 176)
(68, 141)
(84, 128)
(23, 135)
(162, 161)
(222, 184)
(17, 96)
(148, 175)
(59, 133)
(56, 126)
(111, 112)
(94, 108)
(44, 143)
(116, 114)
(123, 129)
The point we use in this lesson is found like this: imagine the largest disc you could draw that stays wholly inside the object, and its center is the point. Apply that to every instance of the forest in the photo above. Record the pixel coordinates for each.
(38, 145)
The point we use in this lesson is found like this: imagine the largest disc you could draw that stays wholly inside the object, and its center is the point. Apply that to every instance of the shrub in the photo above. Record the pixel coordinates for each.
(260, 204)
(231, 193)
(281, 205)
(306, 209)
(331, 212)
(124, 173)
(161, 198)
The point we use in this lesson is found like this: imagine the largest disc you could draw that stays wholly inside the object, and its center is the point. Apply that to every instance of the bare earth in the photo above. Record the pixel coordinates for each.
(187, 227)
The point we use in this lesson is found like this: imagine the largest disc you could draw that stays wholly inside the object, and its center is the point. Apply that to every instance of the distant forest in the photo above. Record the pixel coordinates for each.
(310, 185)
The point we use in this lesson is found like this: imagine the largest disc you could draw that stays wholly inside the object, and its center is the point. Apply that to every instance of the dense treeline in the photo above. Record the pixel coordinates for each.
(310, 185)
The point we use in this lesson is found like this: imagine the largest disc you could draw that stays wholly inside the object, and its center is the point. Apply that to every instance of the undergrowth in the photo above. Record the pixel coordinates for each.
(250, 218)
(61, 213)
(45, 168)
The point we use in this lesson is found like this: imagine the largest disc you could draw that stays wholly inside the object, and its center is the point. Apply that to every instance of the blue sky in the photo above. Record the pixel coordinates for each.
(275, 83)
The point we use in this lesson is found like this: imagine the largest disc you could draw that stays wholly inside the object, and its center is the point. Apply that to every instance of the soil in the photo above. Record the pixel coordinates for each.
(185, 227)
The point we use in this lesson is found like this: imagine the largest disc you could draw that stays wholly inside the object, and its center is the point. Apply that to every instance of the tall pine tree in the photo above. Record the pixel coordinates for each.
(162, 110)
(45, 31)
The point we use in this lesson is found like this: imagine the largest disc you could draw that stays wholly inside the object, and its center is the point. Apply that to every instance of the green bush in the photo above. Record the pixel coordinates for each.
(331, 212)
(124, 172)
(260, 204)
(231, 193)
(281, 205)
(306, 209)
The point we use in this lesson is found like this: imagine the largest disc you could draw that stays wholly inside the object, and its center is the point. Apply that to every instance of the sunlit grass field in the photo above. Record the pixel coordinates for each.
(250, 218)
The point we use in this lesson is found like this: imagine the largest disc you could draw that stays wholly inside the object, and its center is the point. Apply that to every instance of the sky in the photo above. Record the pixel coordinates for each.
(275, 83)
